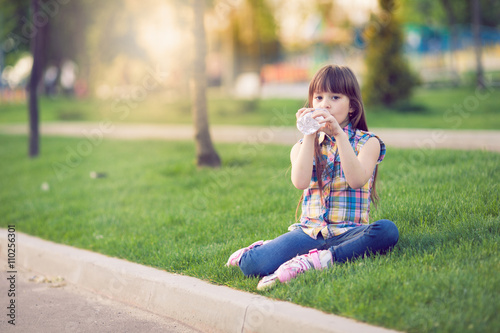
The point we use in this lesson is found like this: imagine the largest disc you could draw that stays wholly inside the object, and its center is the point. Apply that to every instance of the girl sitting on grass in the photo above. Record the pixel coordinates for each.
(337, 169)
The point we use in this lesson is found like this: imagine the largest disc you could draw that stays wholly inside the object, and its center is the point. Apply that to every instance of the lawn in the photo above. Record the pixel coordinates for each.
(460, 108)
(156, 208)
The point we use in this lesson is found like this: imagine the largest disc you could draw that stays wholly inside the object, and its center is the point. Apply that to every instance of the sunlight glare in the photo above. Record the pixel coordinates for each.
(158, 33)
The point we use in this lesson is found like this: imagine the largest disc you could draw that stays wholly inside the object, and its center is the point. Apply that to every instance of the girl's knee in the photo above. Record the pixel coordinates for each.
(247, 267)
(390, 231)
(251, 267)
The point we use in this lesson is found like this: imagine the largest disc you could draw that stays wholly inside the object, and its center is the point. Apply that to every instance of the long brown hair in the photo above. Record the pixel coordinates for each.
(340, 80)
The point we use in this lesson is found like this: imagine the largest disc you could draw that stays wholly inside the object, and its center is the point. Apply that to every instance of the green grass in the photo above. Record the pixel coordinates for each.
(156, 208)
(460, 108)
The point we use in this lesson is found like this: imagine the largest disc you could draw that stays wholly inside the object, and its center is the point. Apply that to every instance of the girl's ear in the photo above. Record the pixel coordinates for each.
(352, 108)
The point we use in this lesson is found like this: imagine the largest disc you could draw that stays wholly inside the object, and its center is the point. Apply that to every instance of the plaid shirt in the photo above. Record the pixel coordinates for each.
(345, 207)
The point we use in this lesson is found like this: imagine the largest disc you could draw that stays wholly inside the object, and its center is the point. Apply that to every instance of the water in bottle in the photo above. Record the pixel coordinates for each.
(307, 124)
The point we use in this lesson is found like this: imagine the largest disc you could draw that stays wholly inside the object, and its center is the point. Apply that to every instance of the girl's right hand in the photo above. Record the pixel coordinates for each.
(302, 112)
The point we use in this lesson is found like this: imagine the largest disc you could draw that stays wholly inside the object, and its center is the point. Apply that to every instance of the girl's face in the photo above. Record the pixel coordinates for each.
(335, 103)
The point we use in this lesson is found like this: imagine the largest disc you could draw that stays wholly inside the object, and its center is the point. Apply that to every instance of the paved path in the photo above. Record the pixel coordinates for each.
(403, 138)
(45, 305)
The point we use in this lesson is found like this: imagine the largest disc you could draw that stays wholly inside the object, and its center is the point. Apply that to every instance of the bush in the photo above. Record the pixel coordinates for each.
(389, 78)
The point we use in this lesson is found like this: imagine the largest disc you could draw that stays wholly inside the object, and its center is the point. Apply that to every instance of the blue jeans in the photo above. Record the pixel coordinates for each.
(377, 237)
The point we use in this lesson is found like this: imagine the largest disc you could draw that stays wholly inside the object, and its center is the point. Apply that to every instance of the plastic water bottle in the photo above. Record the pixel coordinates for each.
(307, 124)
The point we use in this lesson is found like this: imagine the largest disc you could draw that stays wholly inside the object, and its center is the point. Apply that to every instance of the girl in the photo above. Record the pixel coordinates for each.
(337, 169)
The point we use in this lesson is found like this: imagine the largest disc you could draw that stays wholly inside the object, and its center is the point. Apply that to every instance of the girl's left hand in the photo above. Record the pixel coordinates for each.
(329, 124)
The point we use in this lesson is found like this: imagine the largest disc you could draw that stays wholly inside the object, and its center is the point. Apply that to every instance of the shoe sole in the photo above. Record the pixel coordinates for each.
(268, 282)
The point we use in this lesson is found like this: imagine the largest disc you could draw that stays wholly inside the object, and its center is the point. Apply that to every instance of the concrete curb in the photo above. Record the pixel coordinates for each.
(196, 303)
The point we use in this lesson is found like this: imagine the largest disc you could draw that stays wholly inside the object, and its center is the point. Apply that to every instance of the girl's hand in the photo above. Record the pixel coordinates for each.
(302, 112)
(329, 124)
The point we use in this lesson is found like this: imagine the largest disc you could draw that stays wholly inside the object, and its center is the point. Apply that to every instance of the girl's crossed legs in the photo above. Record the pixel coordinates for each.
(263, 260)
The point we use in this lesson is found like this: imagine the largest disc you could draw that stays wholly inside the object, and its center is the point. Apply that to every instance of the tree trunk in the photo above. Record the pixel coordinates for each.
(452, 24)
(476, 30)
(206, 154)
(36, 51)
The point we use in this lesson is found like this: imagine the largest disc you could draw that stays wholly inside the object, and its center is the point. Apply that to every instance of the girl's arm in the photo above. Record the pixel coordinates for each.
(302, 156)
(357, 169)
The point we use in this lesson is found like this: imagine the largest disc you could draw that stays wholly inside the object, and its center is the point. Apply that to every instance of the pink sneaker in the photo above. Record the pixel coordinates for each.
(234, 259)
(295, 266)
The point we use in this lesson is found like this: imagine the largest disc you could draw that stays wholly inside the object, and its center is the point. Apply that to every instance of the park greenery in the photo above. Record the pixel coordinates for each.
(154, 207)
(448, 108)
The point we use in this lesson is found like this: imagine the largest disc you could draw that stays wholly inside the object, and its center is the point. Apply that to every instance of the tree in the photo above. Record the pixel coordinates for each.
(248, 37)
(476, 31)
(26, 27)
(389, 78)
(205, 151)
(36, 72)
(18, 39)
(452, 25)
(14, 35)
(256, 36)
